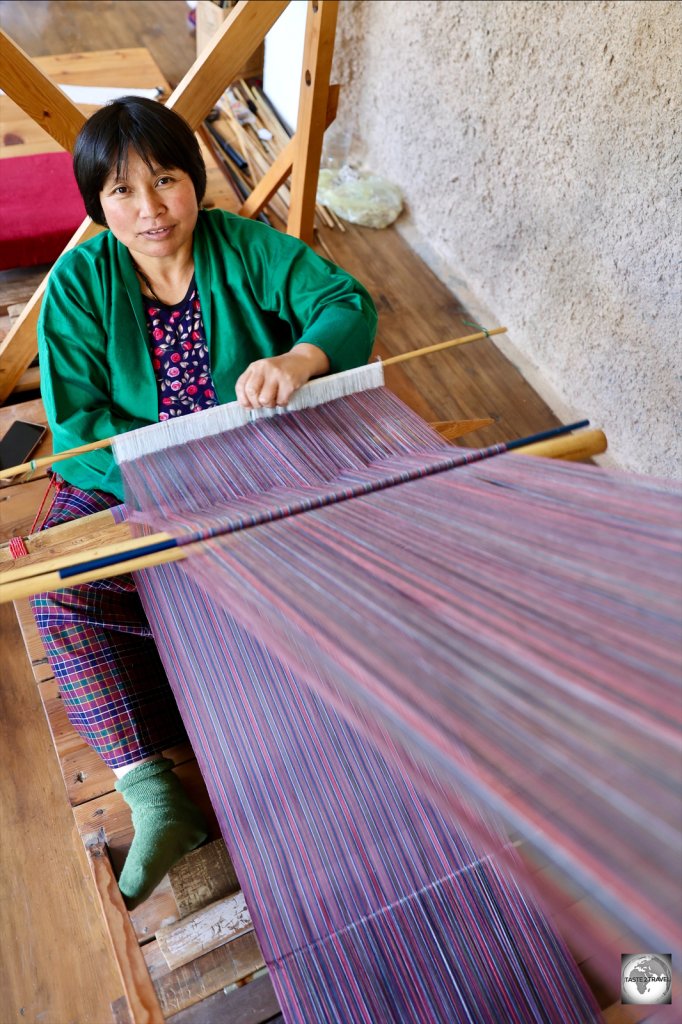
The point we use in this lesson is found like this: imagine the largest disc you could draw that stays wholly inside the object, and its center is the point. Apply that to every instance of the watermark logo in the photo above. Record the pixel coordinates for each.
(646, 978)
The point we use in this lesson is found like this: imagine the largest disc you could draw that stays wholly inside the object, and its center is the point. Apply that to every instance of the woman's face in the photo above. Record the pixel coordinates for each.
(152, 212)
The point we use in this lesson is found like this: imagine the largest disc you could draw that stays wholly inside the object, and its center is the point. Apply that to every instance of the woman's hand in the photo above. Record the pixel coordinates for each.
(270, 382)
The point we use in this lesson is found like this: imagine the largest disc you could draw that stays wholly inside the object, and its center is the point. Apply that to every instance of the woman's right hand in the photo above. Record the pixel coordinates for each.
(271, 382)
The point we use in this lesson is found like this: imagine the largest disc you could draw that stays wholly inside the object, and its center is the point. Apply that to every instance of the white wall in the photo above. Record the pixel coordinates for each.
(283, 63)
(538, 147)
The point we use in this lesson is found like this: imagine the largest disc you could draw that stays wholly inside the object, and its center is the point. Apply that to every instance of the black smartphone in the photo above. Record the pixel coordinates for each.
(20, 441)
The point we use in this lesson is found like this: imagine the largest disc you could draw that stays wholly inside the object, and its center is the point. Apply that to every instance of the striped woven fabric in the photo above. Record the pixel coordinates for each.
(502, 637)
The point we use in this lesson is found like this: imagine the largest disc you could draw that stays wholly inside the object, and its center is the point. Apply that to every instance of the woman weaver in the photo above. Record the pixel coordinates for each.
(171, 310)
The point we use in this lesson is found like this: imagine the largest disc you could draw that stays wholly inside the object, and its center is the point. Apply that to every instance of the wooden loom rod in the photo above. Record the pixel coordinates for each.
(571, 449)
(47, 460)
(160, 548)
(443, 344)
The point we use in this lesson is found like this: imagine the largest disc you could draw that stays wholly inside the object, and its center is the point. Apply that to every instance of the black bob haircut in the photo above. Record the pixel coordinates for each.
(158, 135)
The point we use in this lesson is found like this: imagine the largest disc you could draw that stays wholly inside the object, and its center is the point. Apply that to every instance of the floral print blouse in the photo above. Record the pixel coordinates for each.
(180, 355)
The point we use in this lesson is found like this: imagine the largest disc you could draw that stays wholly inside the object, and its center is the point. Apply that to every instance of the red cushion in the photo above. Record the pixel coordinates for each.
(40, 208)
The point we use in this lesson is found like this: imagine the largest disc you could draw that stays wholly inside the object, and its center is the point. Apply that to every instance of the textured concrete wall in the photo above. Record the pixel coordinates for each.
(538, 148)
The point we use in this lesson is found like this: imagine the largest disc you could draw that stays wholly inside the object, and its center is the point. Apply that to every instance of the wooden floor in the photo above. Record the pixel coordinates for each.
(62, 970)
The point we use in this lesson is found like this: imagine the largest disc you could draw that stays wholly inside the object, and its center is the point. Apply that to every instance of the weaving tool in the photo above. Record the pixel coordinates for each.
(315, 739)
(322, 392)
(128, 556)
(411, 736)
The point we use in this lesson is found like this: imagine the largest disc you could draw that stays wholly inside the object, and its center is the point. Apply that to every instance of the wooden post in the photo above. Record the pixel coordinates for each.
(37, 95)
(137, 984)
(312, 111)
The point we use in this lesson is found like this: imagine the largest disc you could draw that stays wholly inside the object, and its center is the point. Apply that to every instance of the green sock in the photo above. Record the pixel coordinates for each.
(167, 825)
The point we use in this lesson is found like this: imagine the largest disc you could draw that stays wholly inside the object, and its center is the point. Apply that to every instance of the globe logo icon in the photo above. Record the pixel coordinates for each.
(646, 978)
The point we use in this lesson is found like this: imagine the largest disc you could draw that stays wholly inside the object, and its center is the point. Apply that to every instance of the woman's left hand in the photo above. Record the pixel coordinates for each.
(270, 382)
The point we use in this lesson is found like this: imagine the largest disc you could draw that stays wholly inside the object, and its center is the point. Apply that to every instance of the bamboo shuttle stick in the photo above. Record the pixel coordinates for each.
(267, 115)
(47, 460)
(443, 345)
(39, 583)
(324, 215)
(338, 223)
(259, 162)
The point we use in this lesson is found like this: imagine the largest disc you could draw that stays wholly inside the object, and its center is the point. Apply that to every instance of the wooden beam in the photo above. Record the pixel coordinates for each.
(137, 984)
(312, 112)
(281, 167)
(221, 61)
(37, 95)
(204, 930)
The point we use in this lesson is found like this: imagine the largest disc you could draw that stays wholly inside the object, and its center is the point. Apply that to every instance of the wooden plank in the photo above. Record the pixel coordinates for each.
(56, 963)
(202, 877)
(204, 930)
(37, 95)
(220, 62)
(138, 986)
(255, 1003)
(85, 774)
(312, 113)
(218, 969)
(88, 532)
(33, 645)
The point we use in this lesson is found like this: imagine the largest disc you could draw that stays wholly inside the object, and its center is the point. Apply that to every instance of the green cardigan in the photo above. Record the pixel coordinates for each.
(261, 292)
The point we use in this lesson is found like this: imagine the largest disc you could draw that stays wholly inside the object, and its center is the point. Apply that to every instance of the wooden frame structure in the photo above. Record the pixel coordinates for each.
(210, 75)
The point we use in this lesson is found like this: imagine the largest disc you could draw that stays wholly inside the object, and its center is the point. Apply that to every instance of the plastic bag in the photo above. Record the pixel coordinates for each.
(359, 197)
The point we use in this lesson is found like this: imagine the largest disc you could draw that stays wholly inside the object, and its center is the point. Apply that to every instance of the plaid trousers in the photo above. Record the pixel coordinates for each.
(100, 647)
